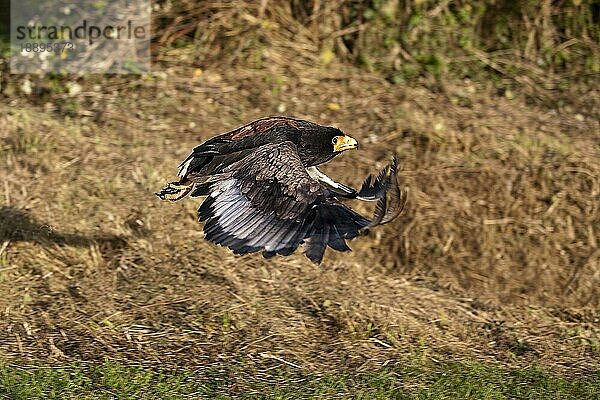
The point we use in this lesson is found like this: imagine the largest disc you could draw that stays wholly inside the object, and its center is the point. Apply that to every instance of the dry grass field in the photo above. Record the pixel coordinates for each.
(495, 260)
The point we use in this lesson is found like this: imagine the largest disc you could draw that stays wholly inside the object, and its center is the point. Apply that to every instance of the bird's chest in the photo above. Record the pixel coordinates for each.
(310, 159)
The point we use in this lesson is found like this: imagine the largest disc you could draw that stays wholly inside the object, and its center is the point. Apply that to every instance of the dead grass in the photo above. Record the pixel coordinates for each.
(538, 48)
(495, 258)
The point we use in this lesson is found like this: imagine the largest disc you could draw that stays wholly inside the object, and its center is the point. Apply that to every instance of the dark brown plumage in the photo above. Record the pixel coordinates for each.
(264, 192)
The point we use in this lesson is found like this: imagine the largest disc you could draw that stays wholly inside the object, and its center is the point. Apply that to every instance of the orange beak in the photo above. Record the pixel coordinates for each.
(341, 143)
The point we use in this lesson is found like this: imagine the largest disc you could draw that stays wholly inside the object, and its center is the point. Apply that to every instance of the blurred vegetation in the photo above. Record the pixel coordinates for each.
(539, 48)
(537, 45)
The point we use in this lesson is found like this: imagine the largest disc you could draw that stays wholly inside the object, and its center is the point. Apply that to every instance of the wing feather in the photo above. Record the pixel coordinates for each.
(267, 201)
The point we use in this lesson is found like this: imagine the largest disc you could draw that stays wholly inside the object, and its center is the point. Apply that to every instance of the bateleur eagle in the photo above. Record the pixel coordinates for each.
(264, 192)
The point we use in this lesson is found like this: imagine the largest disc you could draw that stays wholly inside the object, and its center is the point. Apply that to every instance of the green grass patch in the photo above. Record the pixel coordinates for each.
(449, 381)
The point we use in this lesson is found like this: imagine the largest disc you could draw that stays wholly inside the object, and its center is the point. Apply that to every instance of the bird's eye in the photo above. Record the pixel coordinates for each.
(334, 140)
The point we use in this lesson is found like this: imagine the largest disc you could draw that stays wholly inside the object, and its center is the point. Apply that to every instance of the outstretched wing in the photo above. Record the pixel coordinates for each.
(382, 188)
(268, 202)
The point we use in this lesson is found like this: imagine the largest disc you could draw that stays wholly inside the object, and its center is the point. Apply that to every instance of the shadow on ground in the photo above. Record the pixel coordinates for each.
(17, 225)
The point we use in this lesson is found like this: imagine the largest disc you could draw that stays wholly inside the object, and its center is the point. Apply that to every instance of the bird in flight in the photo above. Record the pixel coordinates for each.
(264, 192)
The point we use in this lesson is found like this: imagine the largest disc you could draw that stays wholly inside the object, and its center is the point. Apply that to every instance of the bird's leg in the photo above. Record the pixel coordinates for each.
(338, 188)
(175, 191)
